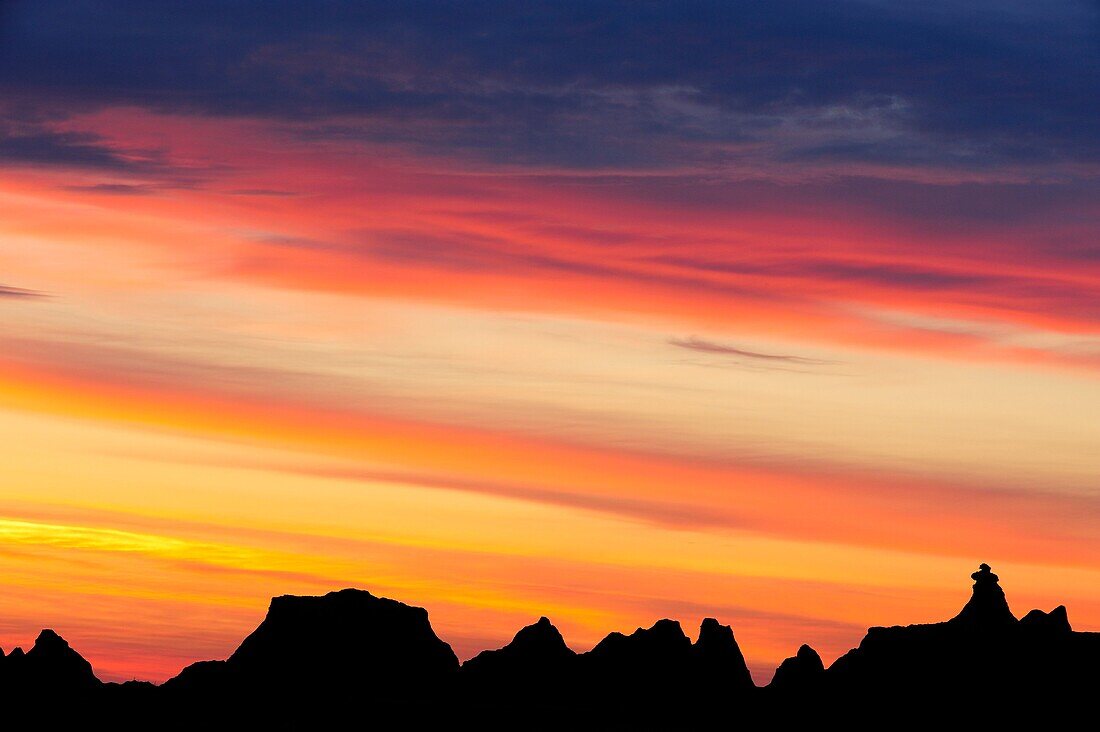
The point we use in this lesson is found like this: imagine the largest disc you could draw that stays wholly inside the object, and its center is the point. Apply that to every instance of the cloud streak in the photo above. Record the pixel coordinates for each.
(18, 293)
(694, 343)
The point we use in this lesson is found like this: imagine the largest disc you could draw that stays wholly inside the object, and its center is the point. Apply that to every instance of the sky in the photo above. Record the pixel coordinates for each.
(784, 313)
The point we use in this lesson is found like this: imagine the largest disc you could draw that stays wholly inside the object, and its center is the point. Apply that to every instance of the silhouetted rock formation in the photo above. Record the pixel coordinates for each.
(645, 654)
(51, 662)
(533, 674)
(800, 672)
(1054, 622)
(51, 666)
(320, 660)
(327, 646)
(717, 659)
(537, 649)
(987, 607)
(983, 650)
(647, 672)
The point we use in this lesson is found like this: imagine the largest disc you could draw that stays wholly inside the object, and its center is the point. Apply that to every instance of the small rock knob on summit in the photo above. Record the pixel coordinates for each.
(987, 606)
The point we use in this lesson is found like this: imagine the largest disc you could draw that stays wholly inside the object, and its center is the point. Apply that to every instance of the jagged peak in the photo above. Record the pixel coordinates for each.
(540, 631)
(51, 663)
(539, 645)
(804, 667)
(1056, 620)
(665, 634)
(49, 639)
(720, 657)
(664, 626)
(710, 625)
(808, 655)
(711, 632)
(542, 625)
(987, 606)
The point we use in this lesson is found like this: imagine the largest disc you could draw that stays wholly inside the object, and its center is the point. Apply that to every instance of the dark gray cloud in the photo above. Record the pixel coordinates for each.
(31, 139)
(767, 109)
(40, 147)
(593, 83)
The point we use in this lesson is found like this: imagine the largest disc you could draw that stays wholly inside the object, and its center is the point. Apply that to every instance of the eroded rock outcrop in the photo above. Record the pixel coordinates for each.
(346, 639)
(717, 659)
(536, 649)
(50, 668)
(987, 608)
(982, 650)
(802, 671)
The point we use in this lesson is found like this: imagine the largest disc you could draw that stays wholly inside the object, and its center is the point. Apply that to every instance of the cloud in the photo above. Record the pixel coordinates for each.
(263, 192)
(698, 344)
(901, 276)
(38, 139)
(114, 189)
(297, 242)
(465, 252)
(660, 513)
(18, 292)
(595, 84)
(62, 149)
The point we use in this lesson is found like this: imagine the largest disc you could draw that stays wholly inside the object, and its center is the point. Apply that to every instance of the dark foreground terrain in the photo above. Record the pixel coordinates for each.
(353, 660)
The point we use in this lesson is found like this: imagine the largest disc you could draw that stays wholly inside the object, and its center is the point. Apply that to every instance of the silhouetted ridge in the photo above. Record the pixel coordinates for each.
(350, 658)
(343, 639)
(984, 649)
(1056, 621)
(52, 662)
(51, 666)
(719, 662)
(646, 654)
(536, 649)
(800, 672)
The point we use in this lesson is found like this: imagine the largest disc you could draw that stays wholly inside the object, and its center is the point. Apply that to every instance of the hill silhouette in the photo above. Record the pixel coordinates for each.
(50, 664)
(982, 650)
(349, 656)
(322, 645)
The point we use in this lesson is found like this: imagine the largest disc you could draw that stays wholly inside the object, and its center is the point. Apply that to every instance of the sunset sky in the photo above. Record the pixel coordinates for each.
(786, 313)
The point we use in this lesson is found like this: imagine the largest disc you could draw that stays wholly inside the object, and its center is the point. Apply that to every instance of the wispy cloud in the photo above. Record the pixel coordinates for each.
(698, 344)
(18, 292)
(262, 192)
(113, 189)
(47, 148)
